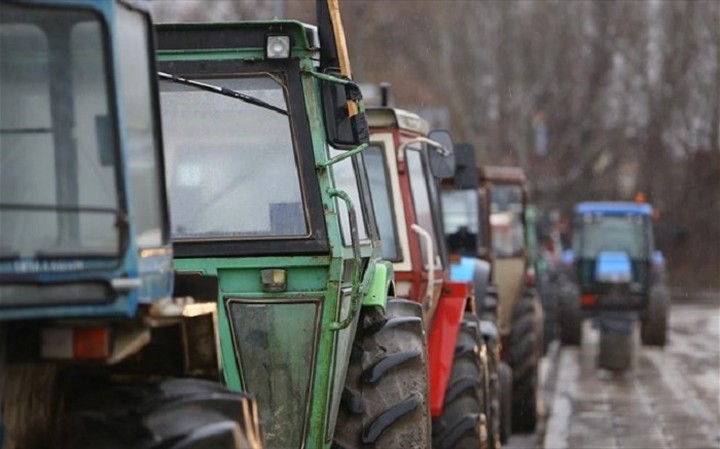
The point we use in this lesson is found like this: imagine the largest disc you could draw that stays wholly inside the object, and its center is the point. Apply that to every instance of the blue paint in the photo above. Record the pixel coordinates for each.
(613, 267)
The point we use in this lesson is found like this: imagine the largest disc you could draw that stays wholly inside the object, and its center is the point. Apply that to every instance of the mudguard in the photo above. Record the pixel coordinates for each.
(477, 271)
(442, 339)
(380, 285)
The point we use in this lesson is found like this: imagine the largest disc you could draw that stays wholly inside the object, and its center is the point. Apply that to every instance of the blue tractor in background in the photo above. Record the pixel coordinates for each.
(615, 275)
(95, 349)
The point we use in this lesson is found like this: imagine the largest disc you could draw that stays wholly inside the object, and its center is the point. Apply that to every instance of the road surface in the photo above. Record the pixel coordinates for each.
(670, 398)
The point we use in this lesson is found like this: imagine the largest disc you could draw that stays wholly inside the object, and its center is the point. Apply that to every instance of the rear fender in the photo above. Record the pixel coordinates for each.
(380, 285)
(442, 339)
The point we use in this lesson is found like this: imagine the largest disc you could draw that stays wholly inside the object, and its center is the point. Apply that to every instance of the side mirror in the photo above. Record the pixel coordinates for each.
(343, 131)
(442, 160)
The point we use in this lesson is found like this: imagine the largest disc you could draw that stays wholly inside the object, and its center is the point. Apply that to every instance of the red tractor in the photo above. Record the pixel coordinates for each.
(404, 162)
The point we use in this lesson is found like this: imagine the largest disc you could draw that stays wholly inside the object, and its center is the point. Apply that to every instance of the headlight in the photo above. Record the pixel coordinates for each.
(277, 47)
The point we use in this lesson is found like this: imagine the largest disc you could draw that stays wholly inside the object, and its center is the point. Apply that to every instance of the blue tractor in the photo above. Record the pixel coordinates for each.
(95, 349)
(615, 275)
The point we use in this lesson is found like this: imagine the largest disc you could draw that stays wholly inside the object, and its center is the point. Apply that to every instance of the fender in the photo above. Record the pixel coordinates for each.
(442, 339)
(381, 285)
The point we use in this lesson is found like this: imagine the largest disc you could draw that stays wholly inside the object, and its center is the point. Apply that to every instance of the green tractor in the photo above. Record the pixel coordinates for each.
(272, 221)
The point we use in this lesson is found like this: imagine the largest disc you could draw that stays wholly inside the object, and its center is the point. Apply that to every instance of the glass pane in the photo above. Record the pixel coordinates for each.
(347, 181)
(382, 201)
(275, 345)
(143, 148)
(56, 135)
(508, 234)
(612, 233)
(421, 198)
(230, 165)
(460, 218)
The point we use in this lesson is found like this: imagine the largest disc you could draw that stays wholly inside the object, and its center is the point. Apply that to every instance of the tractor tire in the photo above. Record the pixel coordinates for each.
(615, 351)
(524, 356)
(506, 401)
(494, 394)
(463, 422)
(172, 414)
(29, 405)
(569, 315)
(385, 400)
(548, 293)
(653, 326)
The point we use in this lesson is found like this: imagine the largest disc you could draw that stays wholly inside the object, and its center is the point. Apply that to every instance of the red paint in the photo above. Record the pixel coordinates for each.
(588, 300)
(441, 346)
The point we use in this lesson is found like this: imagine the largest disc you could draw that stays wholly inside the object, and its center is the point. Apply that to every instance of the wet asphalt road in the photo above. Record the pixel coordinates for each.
(670, 398)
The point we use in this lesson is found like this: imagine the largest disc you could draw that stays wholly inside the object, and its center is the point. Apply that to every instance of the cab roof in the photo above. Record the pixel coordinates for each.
(383, 117)
(503, 174)
(613, 208)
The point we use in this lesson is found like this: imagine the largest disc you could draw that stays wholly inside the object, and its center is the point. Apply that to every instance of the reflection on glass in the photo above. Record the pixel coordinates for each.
(230, 165)
(382, 202)
(347, 181)
(460, 218)
(508, 231)
(613, 233)
(57, 150)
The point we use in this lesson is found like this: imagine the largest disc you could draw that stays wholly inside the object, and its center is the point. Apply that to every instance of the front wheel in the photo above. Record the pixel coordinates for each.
(463, 422)
(384, 403)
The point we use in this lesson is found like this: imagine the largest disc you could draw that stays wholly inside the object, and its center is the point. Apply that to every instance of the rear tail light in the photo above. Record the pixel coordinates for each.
(82, 343)
(530, 277)
(588, 300)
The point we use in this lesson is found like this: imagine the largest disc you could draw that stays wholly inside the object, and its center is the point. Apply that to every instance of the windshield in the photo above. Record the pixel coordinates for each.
(600, 233)
(58, 191)
(506, 208)
(460, 217)
(230, 165)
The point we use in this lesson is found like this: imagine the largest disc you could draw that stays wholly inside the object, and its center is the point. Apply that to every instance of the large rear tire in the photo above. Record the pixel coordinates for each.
(172, 414)
(524, 356)
(506, 401)
(463, 422)
(495, 394)
(29, 405)
(384, 403)
(653, 327)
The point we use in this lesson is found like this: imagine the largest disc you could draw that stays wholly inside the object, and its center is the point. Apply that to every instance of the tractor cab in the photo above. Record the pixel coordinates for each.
(82, 198)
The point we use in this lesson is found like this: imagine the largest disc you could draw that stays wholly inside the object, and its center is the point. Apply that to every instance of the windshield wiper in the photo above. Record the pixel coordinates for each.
(222, 91)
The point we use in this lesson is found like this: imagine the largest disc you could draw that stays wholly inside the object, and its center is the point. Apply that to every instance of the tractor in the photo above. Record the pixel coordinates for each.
(404, 159)
(273, 222)
(95, 351)
(504, 198)
(614, 275)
